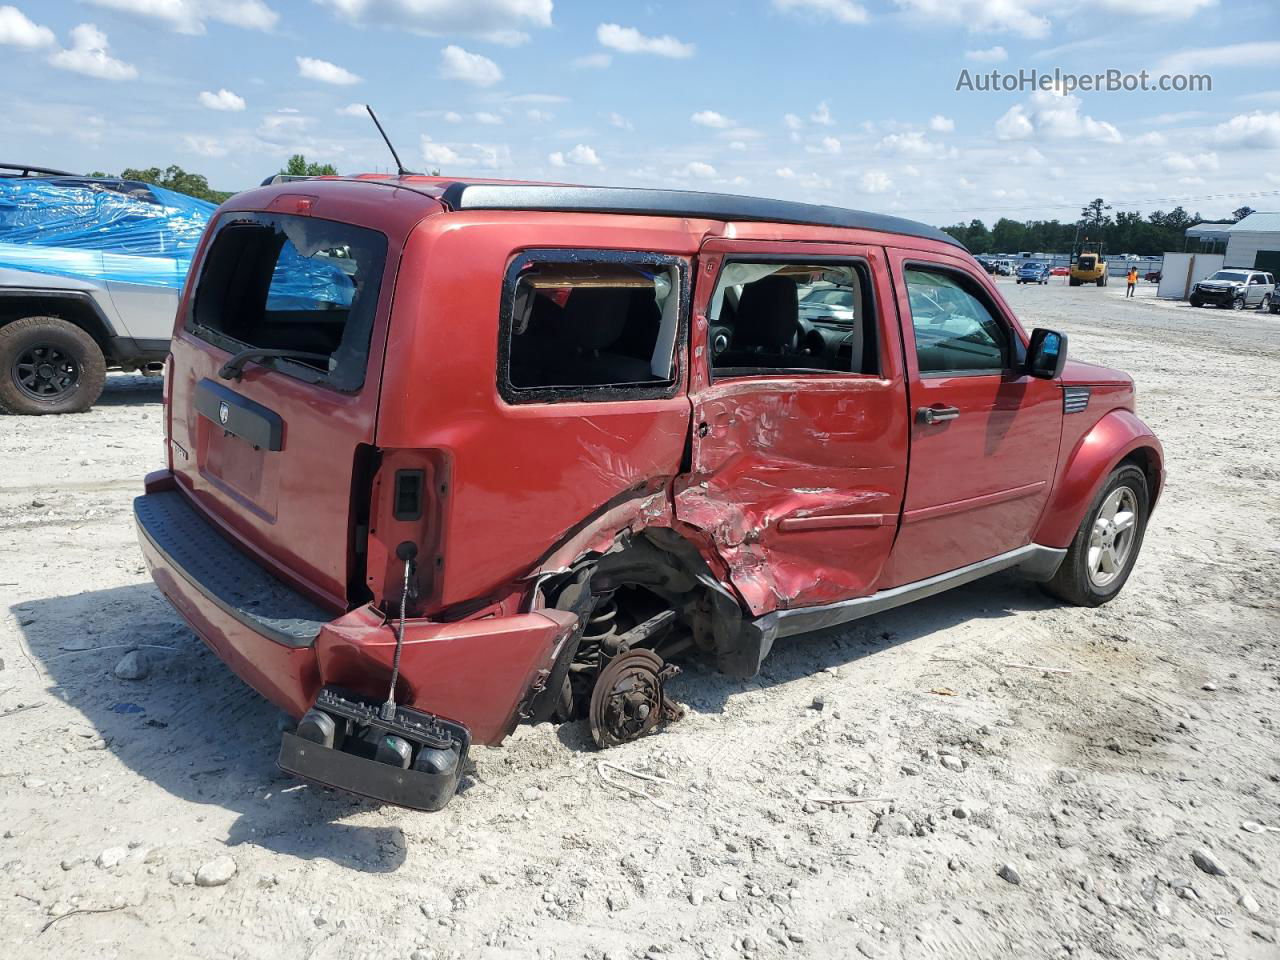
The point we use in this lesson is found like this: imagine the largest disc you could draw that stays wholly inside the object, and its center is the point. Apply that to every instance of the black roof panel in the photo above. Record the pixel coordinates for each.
(676, 203)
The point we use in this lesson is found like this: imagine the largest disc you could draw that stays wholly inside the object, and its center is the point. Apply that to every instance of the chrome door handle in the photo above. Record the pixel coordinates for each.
(930, 415)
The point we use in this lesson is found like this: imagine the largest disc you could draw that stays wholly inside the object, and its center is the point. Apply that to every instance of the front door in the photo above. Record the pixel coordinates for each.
(799, 441)
(984, 434)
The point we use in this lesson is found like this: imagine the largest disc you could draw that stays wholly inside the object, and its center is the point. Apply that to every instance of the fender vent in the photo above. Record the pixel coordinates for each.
(1075, 399)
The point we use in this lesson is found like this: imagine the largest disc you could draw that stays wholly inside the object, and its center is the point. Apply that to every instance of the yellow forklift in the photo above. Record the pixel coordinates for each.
(1089, 265)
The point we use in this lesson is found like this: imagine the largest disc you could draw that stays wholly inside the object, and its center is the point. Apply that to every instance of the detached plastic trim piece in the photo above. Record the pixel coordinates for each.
(225, 574)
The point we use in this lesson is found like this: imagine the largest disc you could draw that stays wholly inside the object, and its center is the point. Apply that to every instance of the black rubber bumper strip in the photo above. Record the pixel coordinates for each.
(224, 574)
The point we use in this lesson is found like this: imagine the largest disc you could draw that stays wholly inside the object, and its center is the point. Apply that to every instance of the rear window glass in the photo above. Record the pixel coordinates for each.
(581, 328)
(295, 284)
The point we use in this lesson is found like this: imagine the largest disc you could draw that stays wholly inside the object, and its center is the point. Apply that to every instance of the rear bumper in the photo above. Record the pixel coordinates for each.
(477, 673)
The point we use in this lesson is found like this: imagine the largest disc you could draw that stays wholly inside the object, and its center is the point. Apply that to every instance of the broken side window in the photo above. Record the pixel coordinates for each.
(578, 328)
(793, 317)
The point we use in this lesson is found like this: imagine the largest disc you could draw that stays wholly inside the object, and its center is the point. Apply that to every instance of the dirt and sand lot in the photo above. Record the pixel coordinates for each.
(1124, 803)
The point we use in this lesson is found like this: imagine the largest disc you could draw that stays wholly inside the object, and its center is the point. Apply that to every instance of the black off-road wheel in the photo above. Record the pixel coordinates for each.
(1102, 555)
(48, 365)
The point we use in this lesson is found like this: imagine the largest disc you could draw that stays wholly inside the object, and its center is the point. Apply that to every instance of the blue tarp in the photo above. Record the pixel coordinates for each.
(127, 231)
(135, 233)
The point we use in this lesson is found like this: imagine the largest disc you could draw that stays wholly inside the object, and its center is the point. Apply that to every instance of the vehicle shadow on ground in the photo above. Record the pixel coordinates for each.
(794, 658)
(123, 389)
(191, 727)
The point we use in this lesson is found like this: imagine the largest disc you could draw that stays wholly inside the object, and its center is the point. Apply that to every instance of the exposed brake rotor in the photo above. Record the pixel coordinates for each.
(627, 700)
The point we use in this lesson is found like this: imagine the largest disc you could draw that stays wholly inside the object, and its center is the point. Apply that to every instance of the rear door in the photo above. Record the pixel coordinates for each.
(799, 419)
(984, 434)
(270, 451)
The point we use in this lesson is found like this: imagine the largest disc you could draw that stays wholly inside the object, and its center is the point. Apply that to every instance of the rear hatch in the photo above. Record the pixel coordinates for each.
(277, 453)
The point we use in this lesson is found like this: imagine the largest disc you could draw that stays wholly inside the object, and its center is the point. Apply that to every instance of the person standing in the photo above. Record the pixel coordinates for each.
(1133, 282)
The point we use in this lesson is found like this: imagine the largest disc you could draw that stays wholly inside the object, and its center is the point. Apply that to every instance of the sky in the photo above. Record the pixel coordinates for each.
(848, 102)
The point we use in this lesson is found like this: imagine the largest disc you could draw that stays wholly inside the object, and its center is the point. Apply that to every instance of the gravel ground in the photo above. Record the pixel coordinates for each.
(1107, 807)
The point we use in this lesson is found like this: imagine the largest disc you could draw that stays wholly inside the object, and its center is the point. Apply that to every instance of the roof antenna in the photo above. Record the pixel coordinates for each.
(400, 170)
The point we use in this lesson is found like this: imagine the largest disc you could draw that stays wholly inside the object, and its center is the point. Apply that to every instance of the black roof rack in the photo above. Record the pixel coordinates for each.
(27, 170)
(676, 203)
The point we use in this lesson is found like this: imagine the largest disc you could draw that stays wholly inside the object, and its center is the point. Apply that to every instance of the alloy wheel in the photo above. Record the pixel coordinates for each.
(45, 372)
(1111, 540)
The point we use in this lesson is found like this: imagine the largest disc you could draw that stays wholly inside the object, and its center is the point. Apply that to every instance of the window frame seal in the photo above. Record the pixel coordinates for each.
(591, 393)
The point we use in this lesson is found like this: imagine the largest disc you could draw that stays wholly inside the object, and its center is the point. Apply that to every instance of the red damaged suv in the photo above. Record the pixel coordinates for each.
(444, 457)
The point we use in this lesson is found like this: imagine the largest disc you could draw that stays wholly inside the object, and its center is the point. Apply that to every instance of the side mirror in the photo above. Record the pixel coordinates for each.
(1046, 354)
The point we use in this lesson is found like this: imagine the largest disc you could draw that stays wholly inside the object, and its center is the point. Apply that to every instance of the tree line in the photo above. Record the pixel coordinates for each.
(1152, 235)
(174, 178)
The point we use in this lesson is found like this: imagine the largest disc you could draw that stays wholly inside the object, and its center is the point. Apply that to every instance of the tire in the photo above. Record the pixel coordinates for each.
(1076, 582)
(1265, 304)
(48, 365)
(1196, 302)
(1238, 303)
(1102, 281)
(1073, 281)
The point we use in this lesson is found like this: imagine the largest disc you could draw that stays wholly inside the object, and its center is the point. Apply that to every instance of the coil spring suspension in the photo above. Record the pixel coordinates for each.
(601, 626)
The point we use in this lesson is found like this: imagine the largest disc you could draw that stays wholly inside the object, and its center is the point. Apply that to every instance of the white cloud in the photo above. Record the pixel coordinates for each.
(737, 145)
(88, 55)
(283, 128)
(592, 61)
(222, 100)
(437, 154)
(1163, 9)
(785, 173)
(825, 145)
(709, 118)
(940, 124)
(621, 122)
(792, 122)
(473, 68)
(996, 54)
(353, 110)
(1189, 163)
(1256, 130)
(506, 38)
(452, 116)
(535, 98)
(18, 31)
(580, 156)
(205, 146)
(1258, 53)
(631, 40)
(822, 115)
(484, 155)
(913, 144)
(325, 72)
(496, 21)
(538, 116)
(983, 16)
(1150, 139)
(1053, 116)
(189, 16)
(875, 181)
(842, 11)
(488, 119)
(697, 169)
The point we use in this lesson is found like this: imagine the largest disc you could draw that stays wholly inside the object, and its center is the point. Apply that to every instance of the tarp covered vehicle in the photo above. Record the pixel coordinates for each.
(90, 274)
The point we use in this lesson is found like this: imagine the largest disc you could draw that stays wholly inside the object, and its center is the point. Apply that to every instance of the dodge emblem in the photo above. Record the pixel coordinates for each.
(224, 413)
